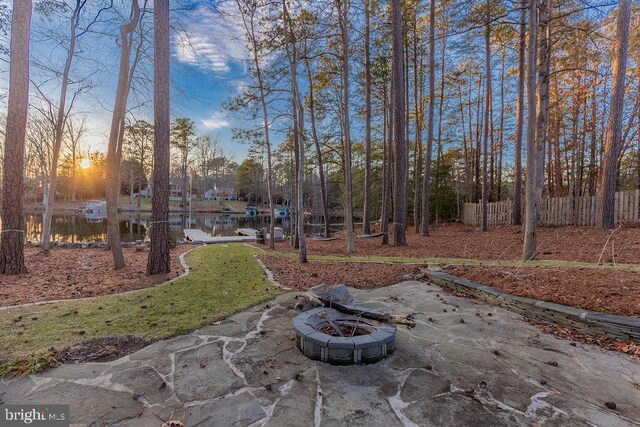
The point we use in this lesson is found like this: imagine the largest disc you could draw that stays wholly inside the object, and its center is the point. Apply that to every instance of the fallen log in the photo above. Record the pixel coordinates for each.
(380, 317)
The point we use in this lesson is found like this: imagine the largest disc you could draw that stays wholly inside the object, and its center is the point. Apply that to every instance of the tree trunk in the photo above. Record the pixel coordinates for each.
(417, 101)
(593, 140)
(158, 261)
(295, 241)
(400, 146)
(384, 211)
(543, 102)
(346, 125)
(501, 144)
(185, 178)
(465, 147)
(432, 91)
(606, 218)
(298, 132)
(12, 234)
(73, 170)
(487, 113)
(530, 232)
(59, 131)
(366, 214)
(479, 116)
(440, 115)
(316, 142)
(265, 124)
(112, 187)
(388, 167)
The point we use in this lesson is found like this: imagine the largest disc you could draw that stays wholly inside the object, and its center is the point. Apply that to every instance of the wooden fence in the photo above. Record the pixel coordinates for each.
(566, 210)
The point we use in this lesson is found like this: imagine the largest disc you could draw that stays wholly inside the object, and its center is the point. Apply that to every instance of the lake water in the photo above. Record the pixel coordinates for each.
(134, 226)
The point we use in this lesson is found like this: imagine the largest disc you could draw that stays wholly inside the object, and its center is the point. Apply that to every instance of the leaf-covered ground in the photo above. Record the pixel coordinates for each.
(79, 273)
(606, 291)
(583, 244)
(290, 273)
(224, 279)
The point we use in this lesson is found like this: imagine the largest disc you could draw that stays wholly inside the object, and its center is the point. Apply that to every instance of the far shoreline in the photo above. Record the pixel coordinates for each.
(197, 207)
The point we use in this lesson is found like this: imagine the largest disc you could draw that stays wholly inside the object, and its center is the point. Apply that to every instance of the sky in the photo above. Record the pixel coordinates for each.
(207, 68)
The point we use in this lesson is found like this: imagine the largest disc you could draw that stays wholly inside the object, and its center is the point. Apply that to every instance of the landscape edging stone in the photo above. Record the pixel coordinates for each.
(584, 321)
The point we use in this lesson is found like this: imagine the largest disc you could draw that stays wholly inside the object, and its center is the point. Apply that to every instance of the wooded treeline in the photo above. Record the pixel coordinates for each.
(442, 101)
(402, 110)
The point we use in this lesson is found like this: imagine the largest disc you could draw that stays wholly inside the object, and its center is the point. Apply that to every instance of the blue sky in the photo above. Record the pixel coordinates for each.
(207, 67)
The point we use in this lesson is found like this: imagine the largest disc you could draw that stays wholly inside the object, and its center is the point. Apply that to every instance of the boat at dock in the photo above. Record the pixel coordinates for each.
(251, 211)
(281, 213)
(94, 207)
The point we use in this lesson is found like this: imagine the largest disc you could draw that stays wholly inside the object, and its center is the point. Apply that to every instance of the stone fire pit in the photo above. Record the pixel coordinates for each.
(331, 336)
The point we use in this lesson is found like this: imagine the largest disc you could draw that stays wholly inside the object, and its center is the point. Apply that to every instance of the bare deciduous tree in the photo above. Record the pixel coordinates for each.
(116, 136)
(62, 112)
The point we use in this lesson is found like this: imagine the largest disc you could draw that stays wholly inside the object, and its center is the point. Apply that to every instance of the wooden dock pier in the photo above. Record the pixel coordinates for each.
(200, 236)
(247, 232)
(245, 235)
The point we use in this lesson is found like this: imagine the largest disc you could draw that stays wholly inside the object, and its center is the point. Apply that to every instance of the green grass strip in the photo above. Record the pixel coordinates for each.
(224, 279)
(458, 261)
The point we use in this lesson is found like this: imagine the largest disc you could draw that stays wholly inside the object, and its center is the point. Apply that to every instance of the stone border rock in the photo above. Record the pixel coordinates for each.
(316, 345)
(583, 321)
(270, 277)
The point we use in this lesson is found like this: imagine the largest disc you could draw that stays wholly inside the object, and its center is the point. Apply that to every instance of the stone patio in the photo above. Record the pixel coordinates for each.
(465, 363)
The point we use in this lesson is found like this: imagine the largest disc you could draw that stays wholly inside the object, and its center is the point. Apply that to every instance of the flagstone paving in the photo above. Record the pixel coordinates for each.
(465, 363)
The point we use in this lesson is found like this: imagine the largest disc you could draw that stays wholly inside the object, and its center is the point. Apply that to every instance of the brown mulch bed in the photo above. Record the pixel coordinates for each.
(460, 241)
(623, 346)
(79, 273)
(292, 274)
(607, 291)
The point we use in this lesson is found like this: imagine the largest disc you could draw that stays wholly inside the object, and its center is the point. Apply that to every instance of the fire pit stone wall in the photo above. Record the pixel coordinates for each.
(377, 341)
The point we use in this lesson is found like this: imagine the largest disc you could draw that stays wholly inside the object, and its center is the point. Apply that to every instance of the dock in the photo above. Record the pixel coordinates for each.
(247, 232)
(278, 233)
(195, 235)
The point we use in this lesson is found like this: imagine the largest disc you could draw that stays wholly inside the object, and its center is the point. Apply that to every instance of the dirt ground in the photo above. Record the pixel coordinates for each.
(460, 241)
(607, 291)
(291, 273)
(101, 349)
(78, 273)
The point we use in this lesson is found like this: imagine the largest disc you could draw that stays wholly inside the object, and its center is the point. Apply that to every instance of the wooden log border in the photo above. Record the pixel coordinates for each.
(583, 321)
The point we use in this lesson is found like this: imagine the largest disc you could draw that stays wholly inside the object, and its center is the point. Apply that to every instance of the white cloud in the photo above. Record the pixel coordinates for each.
(211, 41)
(240, 86)
(218, 120)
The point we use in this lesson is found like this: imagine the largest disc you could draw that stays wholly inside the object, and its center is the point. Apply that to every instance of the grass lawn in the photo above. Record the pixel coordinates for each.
(224, 279)
(459, 261)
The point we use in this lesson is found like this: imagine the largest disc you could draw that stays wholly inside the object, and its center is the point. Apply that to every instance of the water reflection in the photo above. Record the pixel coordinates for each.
(134, 226)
